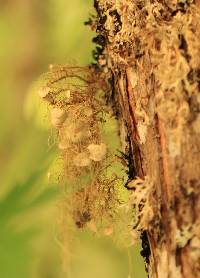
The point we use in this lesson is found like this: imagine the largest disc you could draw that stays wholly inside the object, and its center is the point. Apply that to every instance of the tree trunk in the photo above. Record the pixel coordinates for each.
(152, 49)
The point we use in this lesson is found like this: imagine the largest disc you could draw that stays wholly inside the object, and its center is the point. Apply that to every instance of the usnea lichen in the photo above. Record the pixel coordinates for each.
(95, 196)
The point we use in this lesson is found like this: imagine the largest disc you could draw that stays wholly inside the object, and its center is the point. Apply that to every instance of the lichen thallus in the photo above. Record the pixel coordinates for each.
(78, 111)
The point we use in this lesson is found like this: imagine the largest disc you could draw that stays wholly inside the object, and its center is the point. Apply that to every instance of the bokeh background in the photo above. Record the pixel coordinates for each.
(34, 34)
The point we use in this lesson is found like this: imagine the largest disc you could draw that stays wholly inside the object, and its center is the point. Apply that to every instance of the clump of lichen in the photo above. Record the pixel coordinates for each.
(76, 113)
(93, 195)
(140, 198)
(159, 31)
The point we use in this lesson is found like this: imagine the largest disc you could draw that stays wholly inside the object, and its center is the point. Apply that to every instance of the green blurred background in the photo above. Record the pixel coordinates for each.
(34, 34)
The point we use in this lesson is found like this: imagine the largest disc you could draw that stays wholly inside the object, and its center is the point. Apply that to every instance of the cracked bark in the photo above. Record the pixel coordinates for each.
(153, 52)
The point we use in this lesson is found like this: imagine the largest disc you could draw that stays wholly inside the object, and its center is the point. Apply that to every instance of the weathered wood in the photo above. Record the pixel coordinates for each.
(152, 49)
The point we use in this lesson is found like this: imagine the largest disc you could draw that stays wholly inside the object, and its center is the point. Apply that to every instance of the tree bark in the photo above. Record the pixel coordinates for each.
(152, 49)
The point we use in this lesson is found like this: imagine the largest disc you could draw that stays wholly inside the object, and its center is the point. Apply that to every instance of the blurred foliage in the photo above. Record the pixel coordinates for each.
(34, 34)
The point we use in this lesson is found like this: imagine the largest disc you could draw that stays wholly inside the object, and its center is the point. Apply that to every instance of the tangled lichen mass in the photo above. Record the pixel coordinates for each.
(95, 194)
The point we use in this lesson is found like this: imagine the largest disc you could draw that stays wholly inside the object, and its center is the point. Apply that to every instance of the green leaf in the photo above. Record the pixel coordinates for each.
(18, 198)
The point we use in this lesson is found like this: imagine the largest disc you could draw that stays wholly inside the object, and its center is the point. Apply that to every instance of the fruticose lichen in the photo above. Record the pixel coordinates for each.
(94, 195)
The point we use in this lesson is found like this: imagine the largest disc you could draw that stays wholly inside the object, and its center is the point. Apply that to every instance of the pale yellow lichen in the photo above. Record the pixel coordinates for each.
(140, 198)
(183, 236)
(97, 151)
(174, 145)
(133, 77)
(143, 122)
(75, 131)
(142, 130)
(57, 117)
(43, 91)
(82, 160)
